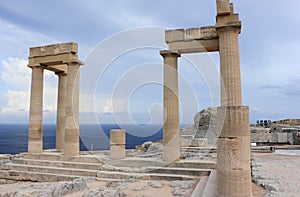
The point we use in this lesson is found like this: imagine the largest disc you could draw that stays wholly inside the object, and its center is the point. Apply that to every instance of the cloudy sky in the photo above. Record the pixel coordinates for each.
(127, 84)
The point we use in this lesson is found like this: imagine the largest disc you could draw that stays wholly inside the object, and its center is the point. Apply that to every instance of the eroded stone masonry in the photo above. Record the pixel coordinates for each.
(233, 145)
(63, 60)
(232, 118)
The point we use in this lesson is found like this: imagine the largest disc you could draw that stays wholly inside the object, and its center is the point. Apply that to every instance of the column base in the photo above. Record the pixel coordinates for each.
(234, 183)
(171, 154)
(234, 153)
(117, 151)
(71, 149)
(35, 147)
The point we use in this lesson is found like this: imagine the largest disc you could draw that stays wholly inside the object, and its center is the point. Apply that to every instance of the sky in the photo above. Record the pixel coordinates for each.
(119, 41)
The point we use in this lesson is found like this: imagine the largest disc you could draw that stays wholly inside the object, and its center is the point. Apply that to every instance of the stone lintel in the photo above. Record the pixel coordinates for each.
(195, 46)
(223, 7)
(54, 49)
(174, 35)
(199, 33)
(53, 59)
(59, 69)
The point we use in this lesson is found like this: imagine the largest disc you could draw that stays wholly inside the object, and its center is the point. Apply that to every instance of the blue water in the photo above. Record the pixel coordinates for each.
(14, 138)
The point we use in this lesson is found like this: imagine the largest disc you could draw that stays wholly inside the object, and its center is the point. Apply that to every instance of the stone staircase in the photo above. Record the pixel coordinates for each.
(53, 167)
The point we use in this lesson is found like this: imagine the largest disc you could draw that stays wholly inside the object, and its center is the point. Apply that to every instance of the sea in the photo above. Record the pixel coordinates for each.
(14, 137)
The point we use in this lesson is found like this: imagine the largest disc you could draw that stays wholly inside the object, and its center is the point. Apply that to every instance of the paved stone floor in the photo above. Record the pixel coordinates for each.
(278, 172)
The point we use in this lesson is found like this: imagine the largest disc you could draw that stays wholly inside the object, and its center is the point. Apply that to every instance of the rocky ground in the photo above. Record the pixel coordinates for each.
(278, 173)
(89, 187)
(274, 174)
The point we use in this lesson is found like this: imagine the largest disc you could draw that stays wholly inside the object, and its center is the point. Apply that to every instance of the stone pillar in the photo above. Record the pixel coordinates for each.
(231, 94)
(171, 150)
(71, 147)
(233, 147)
(35, 134)
(117, 143)
(61, 111)
(233, 155)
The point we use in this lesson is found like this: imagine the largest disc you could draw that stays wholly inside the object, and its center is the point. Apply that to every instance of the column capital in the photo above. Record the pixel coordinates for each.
(166, 53)
(235, 26)
(35, 66)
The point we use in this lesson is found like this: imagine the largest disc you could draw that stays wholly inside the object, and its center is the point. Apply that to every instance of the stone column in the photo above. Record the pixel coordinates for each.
(233, 148)
(61, 111)
(117, 143)
(71, 147)
(35, 134)
(231, 93)
(171, 150)
(233, 154)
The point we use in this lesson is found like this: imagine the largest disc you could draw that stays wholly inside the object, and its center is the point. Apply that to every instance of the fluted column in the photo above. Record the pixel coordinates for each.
(61, 111)
(171, 149)
(231, 93)
(233, 148)
(71, 147)
(35, 133)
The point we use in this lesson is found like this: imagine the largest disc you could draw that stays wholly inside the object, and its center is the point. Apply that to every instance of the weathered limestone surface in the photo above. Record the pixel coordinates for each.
(204, 131)
(55, 57)
(71, 147)
(195, 46)
(223, 7)
(35, 135)
(275, 138)
(233, 167)
(193, 40)
(63, 60)
(236, 122)
(232, 119)
(231, 94)
(61, 111)
(171, 113)
(117, 151)
(233, 150)
(199, 33)
(233, 155)
(54, 49)
(117, 143)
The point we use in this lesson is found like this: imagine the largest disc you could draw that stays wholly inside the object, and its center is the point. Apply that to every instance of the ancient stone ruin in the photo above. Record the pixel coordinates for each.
(63, 60)
(202, 133)
(276, 132)
(233, 146)
(231, 130)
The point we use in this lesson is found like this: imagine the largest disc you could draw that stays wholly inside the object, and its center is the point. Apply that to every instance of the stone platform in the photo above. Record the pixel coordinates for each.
(53, 166)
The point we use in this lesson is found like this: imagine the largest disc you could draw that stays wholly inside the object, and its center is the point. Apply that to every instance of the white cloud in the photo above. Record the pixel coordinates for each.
(17, 77)
(17, 101)
(16, 73)
(116, 105)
